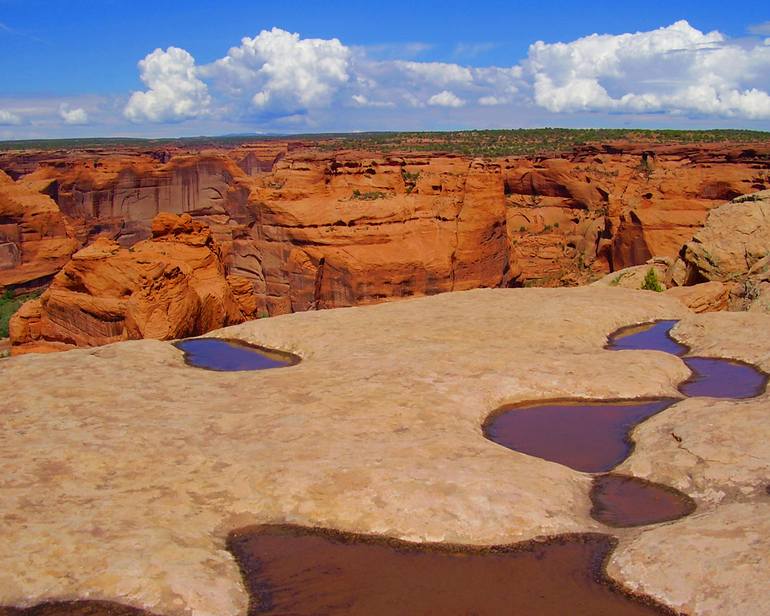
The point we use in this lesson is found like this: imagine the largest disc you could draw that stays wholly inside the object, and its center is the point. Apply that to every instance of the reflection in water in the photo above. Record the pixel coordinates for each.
(722, 378)
(588, 436)
(304, 572)
(231, 355)
(647, 337)
(712, 376)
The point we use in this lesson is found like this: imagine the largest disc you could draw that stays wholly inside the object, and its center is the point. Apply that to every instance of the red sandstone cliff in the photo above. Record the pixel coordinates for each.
(296, 228)
(171, 286)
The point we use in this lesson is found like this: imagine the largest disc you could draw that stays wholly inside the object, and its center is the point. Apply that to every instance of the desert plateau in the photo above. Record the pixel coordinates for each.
(450, 316)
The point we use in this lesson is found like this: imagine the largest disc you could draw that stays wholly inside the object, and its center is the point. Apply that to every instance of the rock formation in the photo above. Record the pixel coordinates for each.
(170, 286)
(34, 239)
(299, 227)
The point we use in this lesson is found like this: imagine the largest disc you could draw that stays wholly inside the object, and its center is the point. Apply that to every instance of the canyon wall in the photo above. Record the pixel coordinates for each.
(299, 228)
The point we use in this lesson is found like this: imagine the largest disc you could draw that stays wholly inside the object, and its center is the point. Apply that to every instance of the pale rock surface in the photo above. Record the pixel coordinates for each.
(633, 277)
(716, 561)
(704, 297)
(735, 238)
(123, 469)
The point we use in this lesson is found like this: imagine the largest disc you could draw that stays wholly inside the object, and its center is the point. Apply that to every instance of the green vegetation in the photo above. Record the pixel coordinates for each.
(520, 142)
(489, 143)
(368, 196)
(8, 307)
(645, 169)
(410, 180)
(651, 282)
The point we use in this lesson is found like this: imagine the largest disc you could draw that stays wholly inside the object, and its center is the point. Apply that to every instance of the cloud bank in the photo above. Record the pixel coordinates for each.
(676, 70)
(278, 80)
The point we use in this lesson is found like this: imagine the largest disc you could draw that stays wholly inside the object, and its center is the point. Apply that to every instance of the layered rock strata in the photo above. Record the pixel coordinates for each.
(299, 228)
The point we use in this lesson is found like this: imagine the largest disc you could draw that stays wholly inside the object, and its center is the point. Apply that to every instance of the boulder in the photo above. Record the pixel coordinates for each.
(704, 297)
(735, 239)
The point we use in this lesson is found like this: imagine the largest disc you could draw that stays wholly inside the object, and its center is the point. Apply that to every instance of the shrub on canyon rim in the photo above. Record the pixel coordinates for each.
(651, 282)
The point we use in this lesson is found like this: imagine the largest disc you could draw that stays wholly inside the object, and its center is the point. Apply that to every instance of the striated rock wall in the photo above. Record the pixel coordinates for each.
(298, 228)
(34, 239)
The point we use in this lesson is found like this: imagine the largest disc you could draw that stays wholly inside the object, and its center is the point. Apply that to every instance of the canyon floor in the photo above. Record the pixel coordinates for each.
(124, 469)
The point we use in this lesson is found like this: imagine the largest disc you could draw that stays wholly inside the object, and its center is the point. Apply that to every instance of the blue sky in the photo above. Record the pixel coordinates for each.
(71, 68)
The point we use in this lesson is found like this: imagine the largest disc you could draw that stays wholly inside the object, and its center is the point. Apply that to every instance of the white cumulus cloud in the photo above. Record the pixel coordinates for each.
(175, 92)
(445, 98)
(278, 77)
(73, 116)
(437, 73)
(676, 69)
(282, 73)
(8, 118)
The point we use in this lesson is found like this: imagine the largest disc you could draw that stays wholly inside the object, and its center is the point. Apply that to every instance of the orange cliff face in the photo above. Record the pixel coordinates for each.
(170, 286)
(34, 240)
(296, 228)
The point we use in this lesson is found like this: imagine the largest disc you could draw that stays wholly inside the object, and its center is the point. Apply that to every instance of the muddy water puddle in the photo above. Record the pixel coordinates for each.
(722, 378)
(594, 436)
(655, 336)
(232, 355)
(620, 500)
(589, 436)
(300, 571)
(712, 377)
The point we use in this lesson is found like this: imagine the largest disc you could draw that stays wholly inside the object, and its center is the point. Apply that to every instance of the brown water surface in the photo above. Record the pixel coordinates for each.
(304, 572)
(620, 500)
(589, 436)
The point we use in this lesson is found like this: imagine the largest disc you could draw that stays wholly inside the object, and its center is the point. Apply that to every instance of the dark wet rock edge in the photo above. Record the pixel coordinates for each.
(75, 608)
(258, 592)
(285, 357)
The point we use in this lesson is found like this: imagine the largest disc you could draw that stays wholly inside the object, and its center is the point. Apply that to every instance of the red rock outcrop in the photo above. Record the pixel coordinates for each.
(170, 286)
(617, 205)
(34, 240)
(299, 228)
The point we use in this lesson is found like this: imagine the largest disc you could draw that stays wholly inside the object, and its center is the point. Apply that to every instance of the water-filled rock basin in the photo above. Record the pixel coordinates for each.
(713, 377)
(722, 378)
(303, 572)
(231, 355)
(655, 336)
(620, 500)
(589, 436)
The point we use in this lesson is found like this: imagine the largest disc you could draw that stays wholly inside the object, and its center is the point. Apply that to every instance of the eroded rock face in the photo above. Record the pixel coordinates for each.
(128, 493)
(170, 286)
(34, 239)
(299, 228)
(734, 241)
(703, 297)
